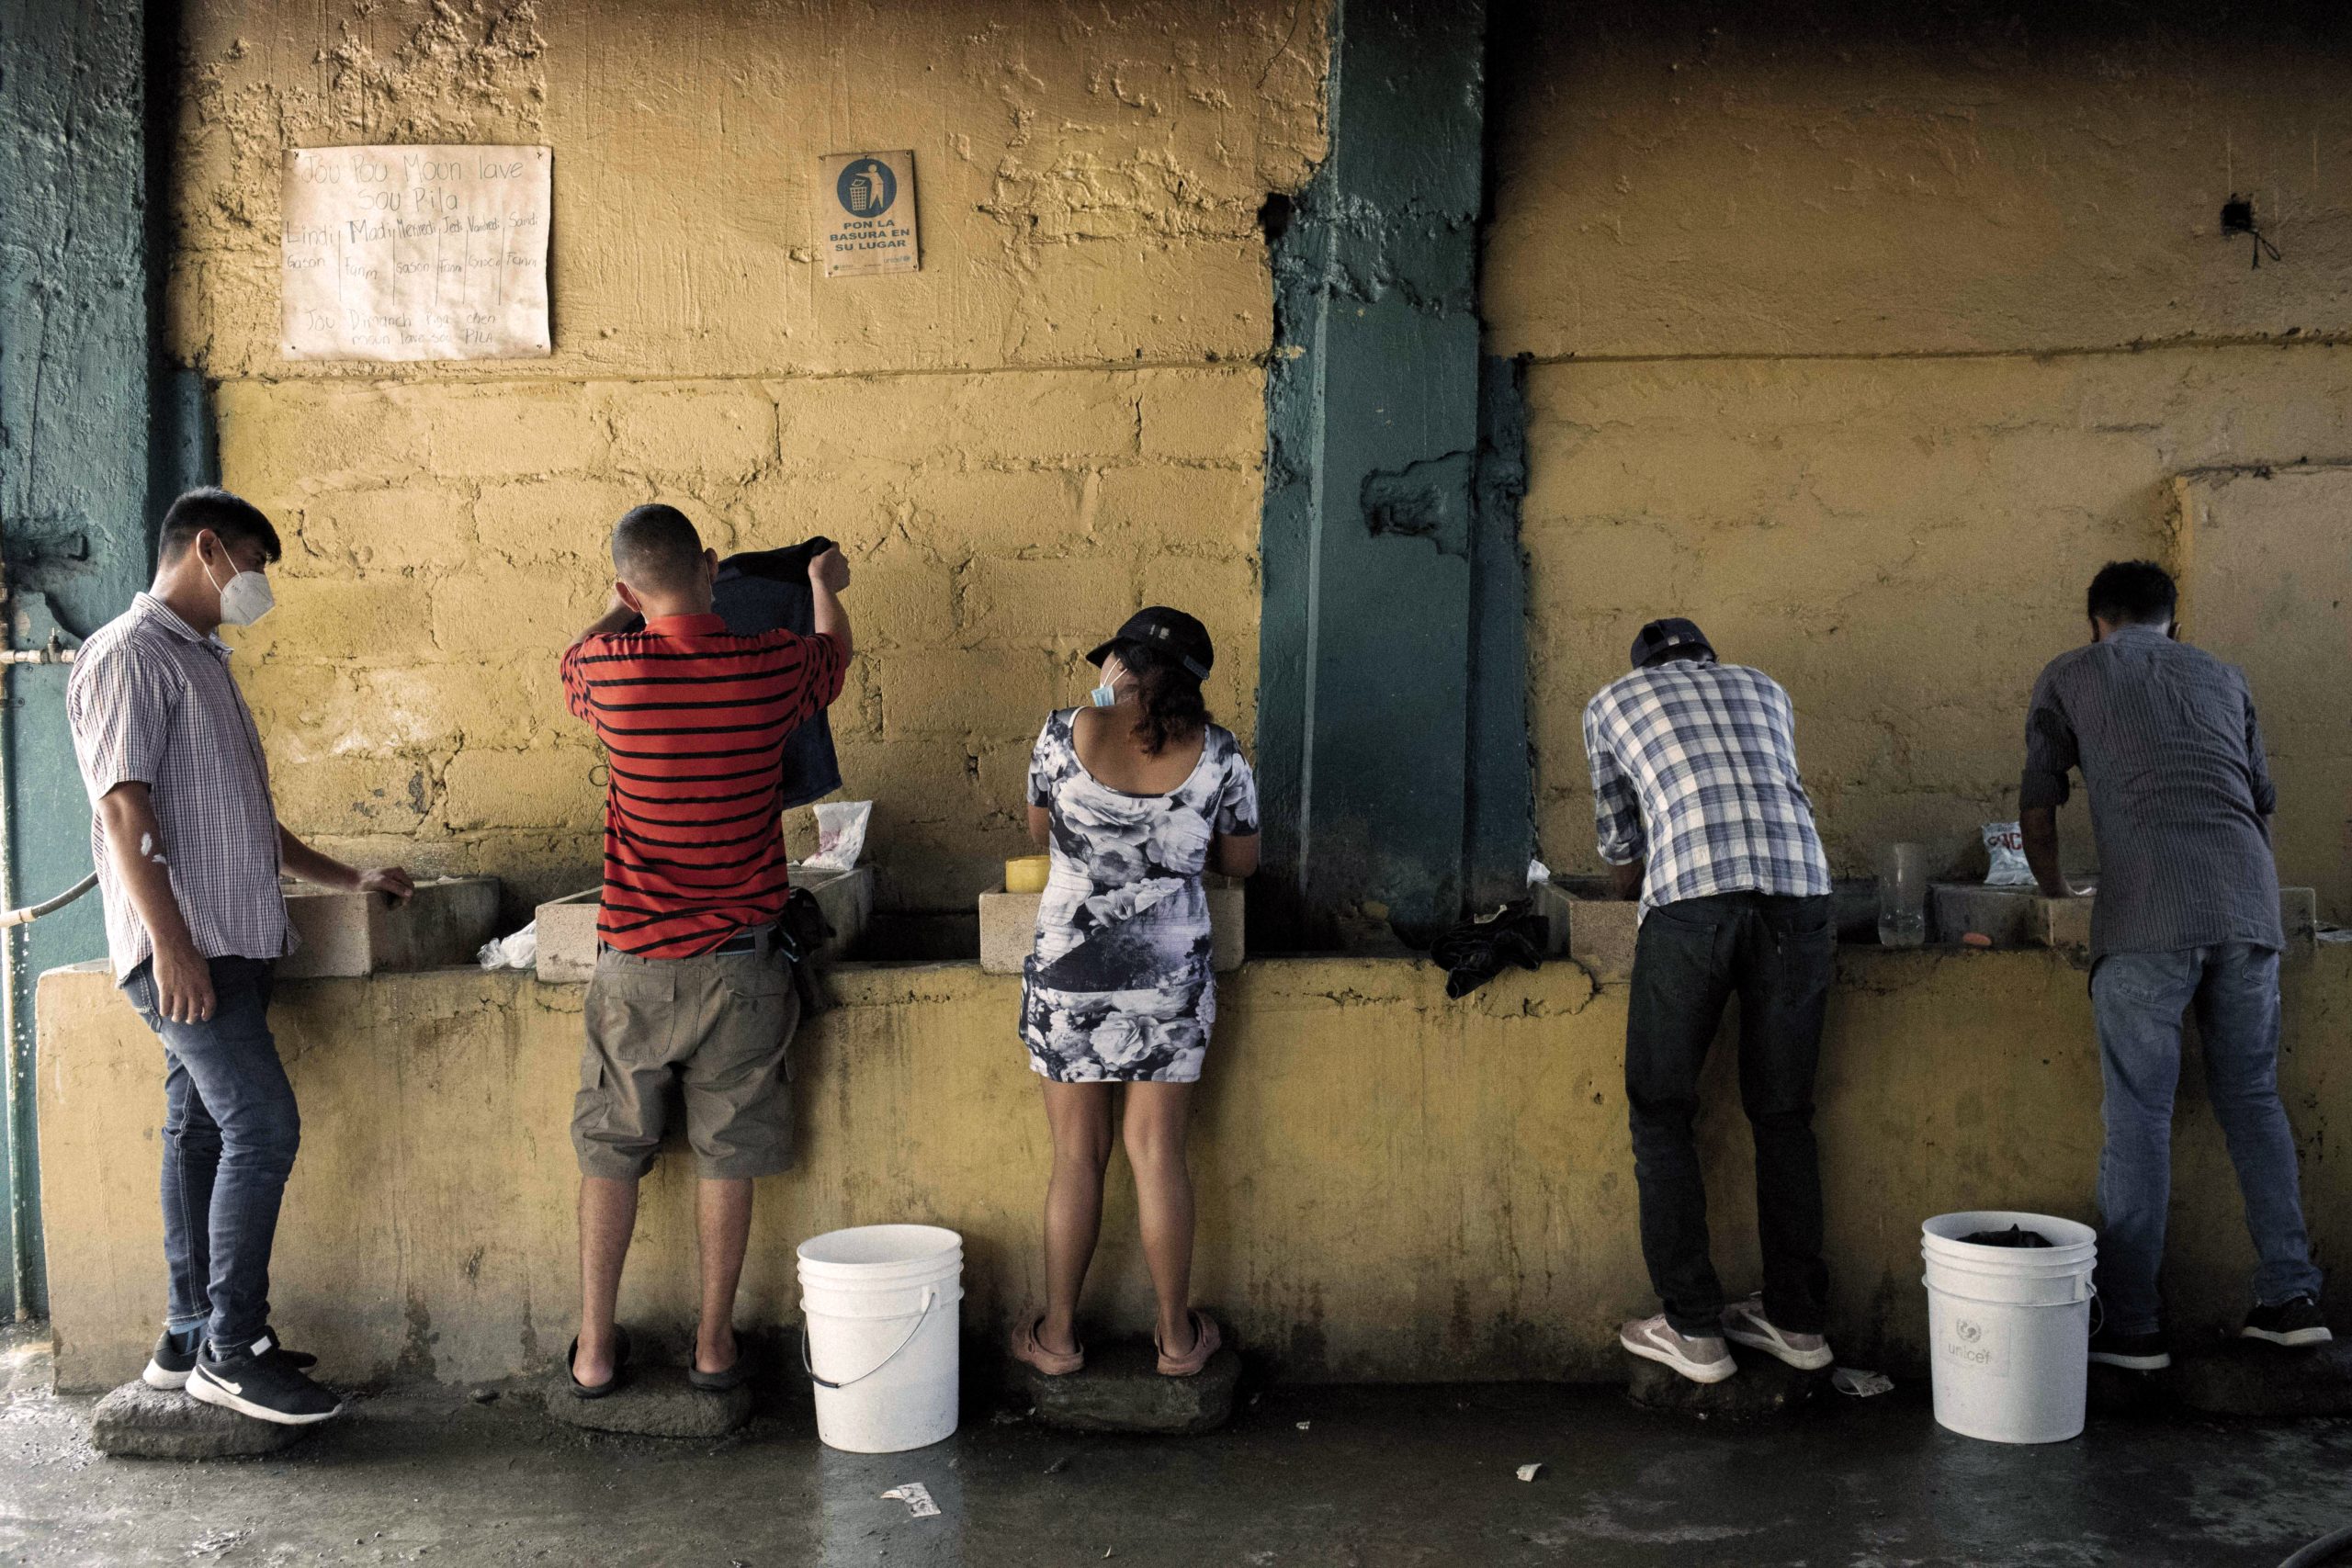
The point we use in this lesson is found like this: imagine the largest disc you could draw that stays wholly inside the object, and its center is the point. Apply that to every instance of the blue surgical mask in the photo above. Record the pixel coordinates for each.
(1104, 696)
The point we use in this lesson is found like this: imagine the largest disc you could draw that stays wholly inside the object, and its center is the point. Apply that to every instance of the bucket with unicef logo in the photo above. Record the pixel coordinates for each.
(2009, 1327)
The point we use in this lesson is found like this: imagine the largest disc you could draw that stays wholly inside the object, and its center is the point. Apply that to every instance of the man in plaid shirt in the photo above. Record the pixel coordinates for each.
(1699, 808)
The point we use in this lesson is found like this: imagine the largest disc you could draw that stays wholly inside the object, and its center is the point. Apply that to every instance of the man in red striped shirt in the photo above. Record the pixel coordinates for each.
(692, 985)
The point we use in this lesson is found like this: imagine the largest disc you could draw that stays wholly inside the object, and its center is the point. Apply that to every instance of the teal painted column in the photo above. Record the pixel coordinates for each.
(77, 345)
(1380, 566)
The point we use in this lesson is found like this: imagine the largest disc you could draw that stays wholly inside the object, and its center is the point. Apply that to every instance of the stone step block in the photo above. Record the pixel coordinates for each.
(567, 926)
(366, 933)
(2246, 1377)
(138, 1422)
(2235, 1377)
(652, 1401)
(1009, 928)
(1763, 1389)
(1120, 1390)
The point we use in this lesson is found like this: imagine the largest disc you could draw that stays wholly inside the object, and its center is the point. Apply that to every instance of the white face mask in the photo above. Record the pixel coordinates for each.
(1106, 695)
(245, 598)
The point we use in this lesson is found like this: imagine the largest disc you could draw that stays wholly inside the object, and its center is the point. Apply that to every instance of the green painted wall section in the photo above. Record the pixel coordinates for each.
(75, 361)
(1373, 565)
(1498, 820)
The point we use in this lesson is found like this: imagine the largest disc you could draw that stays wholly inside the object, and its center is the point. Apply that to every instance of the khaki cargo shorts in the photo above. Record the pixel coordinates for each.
(720, 1028)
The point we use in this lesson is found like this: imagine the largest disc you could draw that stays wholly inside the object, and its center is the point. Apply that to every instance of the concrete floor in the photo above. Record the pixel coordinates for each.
(1376, 1477)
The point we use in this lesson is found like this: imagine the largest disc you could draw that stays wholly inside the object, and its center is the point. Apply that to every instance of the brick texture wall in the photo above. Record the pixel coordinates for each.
(1059, 419)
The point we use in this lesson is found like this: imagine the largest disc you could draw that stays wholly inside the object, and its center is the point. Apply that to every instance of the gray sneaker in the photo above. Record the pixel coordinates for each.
(1704, 1359)
(1745, 1324)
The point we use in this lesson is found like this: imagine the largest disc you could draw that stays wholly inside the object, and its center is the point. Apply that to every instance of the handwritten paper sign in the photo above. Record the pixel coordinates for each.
(865, 213)
(416, 252)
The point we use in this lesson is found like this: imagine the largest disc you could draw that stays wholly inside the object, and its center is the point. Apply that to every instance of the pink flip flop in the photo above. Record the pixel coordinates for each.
(1205, 1342)
(1028, 1351)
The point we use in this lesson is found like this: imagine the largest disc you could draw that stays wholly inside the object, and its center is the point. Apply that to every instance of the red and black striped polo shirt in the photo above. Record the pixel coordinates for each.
(694, 720)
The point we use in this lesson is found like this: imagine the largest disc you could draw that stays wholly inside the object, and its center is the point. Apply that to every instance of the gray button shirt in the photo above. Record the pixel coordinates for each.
(2165, 737)
(151, 700)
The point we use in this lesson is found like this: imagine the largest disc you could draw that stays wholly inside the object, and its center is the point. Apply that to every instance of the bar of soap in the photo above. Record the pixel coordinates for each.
(1027, 874)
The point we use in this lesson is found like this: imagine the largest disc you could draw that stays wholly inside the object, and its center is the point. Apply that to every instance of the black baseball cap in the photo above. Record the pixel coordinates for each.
(1171, 631)
(1670, 636)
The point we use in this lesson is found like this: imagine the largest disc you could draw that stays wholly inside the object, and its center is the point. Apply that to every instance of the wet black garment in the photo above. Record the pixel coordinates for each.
(759, 591)
(1476, 951)
(2015, 1236)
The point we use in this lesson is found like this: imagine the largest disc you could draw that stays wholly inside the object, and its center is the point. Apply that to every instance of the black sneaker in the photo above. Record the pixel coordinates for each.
(262, 1382)
(174, 1359)
(2295, 1321)
(2132, 1352)
(174, 1356)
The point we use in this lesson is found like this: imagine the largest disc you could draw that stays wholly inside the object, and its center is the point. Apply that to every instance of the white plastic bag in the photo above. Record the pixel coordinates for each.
(2004, 849)
(841, 835)
(520, 951)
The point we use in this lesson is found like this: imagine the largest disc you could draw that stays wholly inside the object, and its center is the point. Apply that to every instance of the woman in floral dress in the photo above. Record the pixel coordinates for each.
(1137, 794)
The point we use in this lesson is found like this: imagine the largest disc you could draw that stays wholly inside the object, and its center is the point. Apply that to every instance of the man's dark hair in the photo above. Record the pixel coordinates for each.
(232, 518)
(2132, 593)
(656, 547)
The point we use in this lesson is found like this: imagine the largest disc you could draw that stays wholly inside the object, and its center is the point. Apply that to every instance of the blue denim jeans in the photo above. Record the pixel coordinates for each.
(229, 1133)
(2140, 998)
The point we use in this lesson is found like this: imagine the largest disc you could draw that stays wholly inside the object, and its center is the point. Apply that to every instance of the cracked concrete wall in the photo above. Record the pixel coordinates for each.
(1867, 341)
(1393, 1186)
(1058, 419)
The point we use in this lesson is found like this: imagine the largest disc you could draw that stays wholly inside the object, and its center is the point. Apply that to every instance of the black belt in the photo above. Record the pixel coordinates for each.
(760, 940)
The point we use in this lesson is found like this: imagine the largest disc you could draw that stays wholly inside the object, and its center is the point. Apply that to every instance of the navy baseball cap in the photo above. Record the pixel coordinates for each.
(1174, 632)
(1671, 636)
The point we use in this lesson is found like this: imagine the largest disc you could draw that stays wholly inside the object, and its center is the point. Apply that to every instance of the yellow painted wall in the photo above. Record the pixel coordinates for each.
(1867, 343)
(1059, 419)
(1392, 1186)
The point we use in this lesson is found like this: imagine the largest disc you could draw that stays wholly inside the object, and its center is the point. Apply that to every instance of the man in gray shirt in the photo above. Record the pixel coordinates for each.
(189, 850)
(2188, 916)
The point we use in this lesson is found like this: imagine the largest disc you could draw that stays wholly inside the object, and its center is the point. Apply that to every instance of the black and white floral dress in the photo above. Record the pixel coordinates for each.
(1119, 989)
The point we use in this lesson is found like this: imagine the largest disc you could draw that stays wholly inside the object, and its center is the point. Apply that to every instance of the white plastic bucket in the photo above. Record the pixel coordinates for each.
(880, 1306)
(2009, 1327)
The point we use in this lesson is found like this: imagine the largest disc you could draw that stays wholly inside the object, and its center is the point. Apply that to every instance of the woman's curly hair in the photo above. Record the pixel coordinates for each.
(1170, 695)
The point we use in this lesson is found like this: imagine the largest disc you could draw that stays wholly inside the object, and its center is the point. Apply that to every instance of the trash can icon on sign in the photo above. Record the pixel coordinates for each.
(866, 188)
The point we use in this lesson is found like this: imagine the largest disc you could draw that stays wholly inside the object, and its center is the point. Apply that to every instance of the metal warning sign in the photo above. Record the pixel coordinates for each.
(865, 213)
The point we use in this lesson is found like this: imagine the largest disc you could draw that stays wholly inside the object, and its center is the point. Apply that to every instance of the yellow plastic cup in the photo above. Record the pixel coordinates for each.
(1027, 874)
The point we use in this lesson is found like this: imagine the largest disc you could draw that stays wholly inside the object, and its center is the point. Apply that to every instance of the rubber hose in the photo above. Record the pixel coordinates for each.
(2325, 1550)
(35, 911)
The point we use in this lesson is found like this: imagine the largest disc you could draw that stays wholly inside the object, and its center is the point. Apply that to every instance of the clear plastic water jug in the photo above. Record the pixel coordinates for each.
(1902, 896)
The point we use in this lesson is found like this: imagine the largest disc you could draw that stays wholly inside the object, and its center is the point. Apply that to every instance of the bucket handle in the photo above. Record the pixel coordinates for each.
(930, 1300)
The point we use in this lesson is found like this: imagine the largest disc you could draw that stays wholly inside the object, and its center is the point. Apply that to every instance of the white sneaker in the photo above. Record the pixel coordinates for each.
(1700, 1360)
(1745, 1324)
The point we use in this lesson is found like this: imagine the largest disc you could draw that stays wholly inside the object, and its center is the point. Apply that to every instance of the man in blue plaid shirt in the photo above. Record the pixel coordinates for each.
(1699, 808)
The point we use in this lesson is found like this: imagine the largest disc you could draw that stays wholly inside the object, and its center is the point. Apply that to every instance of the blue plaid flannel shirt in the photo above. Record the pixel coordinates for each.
(1695, 762)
